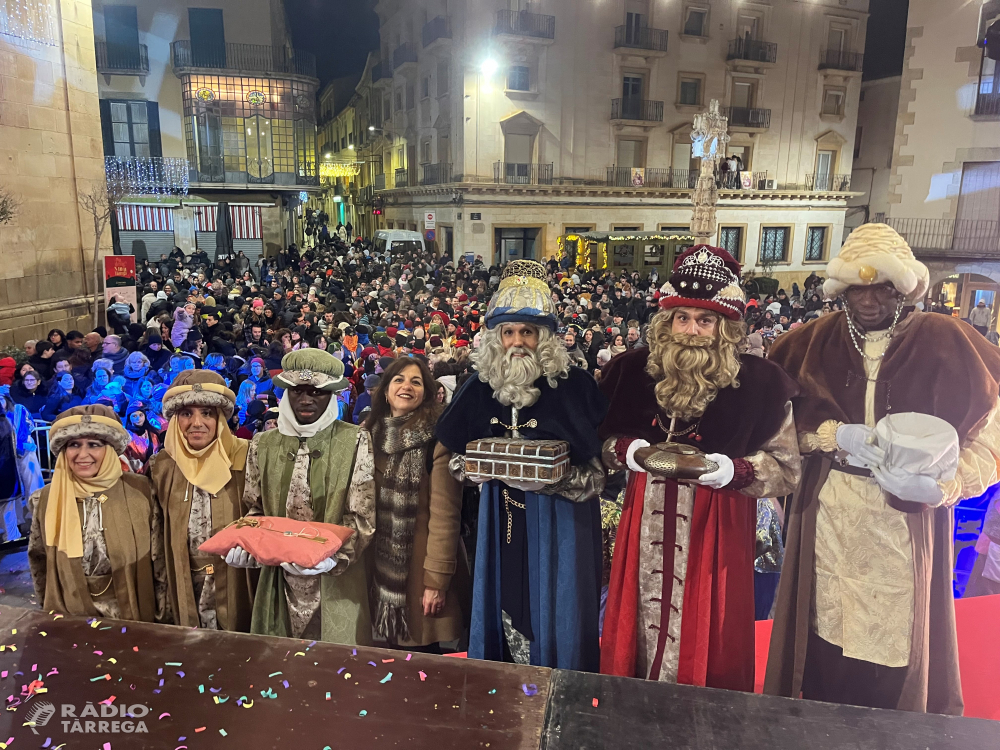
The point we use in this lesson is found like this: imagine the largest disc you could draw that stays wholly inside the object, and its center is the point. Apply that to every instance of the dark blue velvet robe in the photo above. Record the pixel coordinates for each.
(564, 538)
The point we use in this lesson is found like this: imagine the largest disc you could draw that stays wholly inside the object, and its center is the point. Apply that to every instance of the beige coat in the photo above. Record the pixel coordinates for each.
(438, 560)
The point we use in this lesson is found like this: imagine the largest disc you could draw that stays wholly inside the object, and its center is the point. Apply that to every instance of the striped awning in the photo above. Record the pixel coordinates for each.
(246, 221)
(133, 218)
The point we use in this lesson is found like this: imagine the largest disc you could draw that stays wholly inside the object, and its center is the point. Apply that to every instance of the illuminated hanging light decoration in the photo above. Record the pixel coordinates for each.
(327, 169)
(146, 175)
(31, 20)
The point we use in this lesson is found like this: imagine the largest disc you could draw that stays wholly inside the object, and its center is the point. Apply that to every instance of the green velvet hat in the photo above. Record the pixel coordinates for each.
(313, 367)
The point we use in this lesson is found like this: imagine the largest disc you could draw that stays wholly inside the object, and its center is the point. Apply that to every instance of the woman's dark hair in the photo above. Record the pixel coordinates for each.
(428, 411)
(62, 337)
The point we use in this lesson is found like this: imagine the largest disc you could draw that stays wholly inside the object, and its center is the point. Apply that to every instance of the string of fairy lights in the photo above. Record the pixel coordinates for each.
(140, 175)
(29, 20)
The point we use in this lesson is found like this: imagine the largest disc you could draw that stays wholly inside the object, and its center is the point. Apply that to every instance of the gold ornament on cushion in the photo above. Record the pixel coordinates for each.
(867, 274)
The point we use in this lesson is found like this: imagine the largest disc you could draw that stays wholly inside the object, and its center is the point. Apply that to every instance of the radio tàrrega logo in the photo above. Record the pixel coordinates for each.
(39, 715)
(106, 718)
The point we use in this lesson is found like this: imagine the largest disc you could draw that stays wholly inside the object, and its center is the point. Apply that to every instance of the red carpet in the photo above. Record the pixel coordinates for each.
(978, 653)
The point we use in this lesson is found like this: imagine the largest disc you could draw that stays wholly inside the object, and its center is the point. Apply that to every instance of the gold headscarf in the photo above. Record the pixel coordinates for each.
(62, 518)
(210, 468)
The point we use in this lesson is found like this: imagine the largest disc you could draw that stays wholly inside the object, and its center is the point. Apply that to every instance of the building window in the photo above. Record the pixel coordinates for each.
(386, 109)
(425, 87)
(399, 100)
(443, 78)
(131, 128)
(411, 99)
(731, 240)
(207, 137)
(816, 244)
(690, 91)
(857, 142)
(833, 102)
(518, 78)
(425, 152)
(774, 244)
(343, 142)
(305, 148)
(260, 150)
(695, 22)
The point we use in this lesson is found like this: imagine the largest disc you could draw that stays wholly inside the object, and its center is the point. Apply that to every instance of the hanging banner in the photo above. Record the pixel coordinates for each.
(119, 282)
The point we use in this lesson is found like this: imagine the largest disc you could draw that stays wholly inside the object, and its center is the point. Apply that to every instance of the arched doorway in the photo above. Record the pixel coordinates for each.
(959, 294)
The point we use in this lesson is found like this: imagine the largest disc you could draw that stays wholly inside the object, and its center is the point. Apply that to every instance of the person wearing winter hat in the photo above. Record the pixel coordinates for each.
(692, 387)
(861, 370)
(198, 481)
(331, 481)
(365, 399)
(525, 379)
(80, 565)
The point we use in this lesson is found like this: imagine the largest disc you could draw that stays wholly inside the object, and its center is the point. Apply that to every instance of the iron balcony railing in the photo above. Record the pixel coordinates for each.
(736, 180)
(651, 177)
(640, 38)
(244, 58)
(366, 194)
(403, 54)
(523, 23)
(840, 59)
(436, 28)
(748, 117)
(148, 175)
(401, 178)
(436, 174)
(828, 182)
(967, 238)
(753, 50)
(636, 109)
(988, 104)
(380, 182)
(122, 60)
(513, 173)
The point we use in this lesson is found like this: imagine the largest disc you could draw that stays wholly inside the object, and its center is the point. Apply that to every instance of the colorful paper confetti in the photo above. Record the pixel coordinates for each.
(423, 675)
(385, 679)
(529, 690)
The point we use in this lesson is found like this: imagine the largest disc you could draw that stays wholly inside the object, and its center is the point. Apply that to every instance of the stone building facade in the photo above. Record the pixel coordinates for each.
(50, 153)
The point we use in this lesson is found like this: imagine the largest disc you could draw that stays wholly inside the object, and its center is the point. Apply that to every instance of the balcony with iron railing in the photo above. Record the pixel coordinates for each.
(987, 104)
(436, 28)
(403, 54)
(243, 58)
(401, 178)
(630, 37)
(636, 110)
(753, 118)
(955, 238)
(831, 183)
(744, 180)
(523, 23)
(752, 50)
(651, 177)
(841, 59)
(115, 59)
(148, 175)
(380, 182)
(513, 173)
(436, 174)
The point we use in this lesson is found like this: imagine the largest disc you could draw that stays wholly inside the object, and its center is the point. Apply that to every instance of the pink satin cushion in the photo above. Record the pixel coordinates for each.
(277, 541)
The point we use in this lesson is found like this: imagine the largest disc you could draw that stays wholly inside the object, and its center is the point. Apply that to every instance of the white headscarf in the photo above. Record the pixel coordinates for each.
(289, 425)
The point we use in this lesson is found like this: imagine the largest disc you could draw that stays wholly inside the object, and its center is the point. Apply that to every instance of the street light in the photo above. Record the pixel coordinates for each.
(490, 66)
(327, 155)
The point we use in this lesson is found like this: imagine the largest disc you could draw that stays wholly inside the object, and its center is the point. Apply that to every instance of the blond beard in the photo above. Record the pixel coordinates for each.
(689, 371)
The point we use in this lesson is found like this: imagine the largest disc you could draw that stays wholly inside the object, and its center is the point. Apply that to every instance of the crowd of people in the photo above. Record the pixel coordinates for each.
(344, 385)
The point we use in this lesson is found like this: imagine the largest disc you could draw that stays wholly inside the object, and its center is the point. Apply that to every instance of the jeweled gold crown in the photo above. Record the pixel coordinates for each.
(529, 268)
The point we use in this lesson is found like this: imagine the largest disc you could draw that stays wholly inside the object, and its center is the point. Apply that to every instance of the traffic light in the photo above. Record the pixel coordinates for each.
(377, 210)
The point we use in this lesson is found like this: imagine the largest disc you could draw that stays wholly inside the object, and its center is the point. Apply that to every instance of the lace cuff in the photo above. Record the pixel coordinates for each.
(743, 475)
(824, 440)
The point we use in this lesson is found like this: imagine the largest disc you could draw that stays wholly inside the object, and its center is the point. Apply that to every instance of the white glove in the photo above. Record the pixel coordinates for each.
(525, 486)
(860, 442)
(630, 461)
(720, 477)
(914, 488)
(238, 557)
(325, 566)
(477, 478)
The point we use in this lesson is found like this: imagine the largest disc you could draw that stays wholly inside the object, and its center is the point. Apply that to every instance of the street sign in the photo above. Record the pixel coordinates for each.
(429, 234)
(476, 217)
(430, 219)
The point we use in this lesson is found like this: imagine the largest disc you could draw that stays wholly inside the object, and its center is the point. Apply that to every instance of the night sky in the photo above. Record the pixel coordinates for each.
(340, 33)
(886, 38)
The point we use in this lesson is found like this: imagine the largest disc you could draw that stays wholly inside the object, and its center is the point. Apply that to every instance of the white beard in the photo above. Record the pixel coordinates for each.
(512, 378)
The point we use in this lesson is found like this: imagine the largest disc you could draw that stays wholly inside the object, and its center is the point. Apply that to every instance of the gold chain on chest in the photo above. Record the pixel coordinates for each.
(507, 502)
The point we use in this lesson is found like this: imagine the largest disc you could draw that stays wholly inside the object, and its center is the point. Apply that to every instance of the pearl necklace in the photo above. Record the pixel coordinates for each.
(855, 334)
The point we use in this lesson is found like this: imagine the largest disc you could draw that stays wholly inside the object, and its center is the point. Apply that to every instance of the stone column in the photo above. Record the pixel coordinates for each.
(709, 138)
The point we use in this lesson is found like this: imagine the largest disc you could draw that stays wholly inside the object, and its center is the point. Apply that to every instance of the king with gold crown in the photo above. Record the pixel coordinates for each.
(534, 418)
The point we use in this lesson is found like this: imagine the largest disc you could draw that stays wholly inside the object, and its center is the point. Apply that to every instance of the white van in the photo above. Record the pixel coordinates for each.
(398, 241)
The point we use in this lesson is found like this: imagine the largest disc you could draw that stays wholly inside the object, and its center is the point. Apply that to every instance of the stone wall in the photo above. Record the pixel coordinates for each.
(50, 152)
